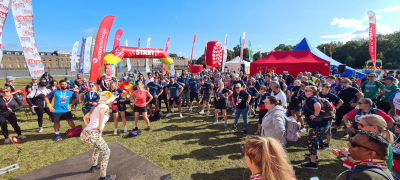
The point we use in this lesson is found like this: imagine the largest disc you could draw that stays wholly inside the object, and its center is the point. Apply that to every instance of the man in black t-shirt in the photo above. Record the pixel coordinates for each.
(241, 100)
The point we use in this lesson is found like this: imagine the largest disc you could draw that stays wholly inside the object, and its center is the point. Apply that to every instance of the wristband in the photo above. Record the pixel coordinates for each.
(49, 105)
(348, 155)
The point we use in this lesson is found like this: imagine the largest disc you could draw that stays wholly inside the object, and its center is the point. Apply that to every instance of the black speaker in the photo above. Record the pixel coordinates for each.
(342, 68)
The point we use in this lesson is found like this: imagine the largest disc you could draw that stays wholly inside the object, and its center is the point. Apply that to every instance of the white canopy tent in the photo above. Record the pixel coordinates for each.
(234, 64)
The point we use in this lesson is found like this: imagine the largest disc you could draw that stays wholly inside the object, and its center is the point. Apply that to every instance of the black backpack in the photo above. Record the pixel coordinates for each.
(156, 116)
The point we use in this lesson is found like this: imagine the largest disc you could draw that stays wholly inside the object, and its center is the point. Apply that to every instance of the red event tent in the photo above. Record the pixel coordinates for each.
(291, 61)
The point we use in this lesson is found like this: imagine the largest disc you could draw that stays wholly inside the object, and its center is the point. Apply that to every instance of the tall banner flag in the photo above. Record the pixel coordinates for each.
(331, 50)
(191, 56)
(23, 20)
(82, 56)
(138, 58)
(86, 60)
(100, 47)
(205, 52)
(225, 53)
(73, 56)
(250, 52)
(117, 40)
(260, 55)
(241, 50)
(128, 61)
(92, 49)
(4, 8)
(166, 51)
(372, 37)
(324, 50)
(147, 59)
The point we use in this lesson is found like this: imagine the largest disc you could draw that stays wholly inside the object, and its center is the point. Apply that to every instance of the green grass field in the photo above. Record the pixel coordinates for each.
(189, 147)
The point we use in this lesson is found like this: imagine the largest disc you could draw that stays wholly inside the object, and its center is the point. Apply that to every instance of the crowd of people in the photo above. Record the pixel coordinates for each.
(368, 107)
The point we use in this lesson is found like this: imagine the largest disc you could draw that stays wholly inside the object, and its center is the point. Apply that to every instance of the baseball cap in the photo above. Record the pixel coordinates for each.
(322, 78)
(389, 78)
(236, 75)
(104, 74)
(10, 78)
(42, 83)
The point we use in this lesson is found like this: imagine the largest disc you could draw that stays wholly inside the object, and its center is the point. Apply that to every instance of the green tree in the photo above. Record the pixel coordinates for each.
(200, 60)
(172, 55)
(236, 50)
(388, 66)
(350, 61)
(231, 55)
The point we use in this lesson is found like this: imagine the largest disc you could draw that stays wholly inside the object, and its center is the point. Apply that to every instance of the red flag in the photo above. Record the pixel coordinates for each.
(191, 56)
(100, 47)
(372, 37)
(331, 50)
(241, 51)
(167, 46)
(117, 40)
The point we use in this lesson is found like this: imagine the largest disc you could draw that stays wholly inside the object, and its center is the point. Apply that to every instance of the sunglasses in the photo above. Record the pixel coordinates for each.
(361, 103)
(354, 144)
(398, 125)
(371, 76)
(4, 91)
(91, 86)
(237, 87)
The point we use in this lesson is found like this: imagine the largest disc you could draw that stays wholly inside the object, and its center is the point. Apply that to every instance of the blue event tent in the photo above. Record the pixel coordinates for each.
(306, 45)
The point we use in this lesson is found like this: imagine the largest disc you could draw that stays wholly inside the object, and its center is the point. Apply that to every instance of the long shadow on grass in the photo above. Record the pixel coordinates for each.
(210, 153)
(325, 171)
(231, 174)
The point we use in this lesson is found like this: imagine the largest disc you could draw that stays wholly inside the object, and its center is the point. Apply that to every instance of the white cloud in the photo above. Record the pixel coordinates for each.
(377, 17)
(89, 31)
(393, 8)
(348, 23)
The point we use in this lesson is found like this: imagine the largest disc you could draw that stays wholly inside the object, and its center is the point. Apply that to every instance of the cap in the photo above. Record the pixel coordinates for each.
(104, 74)
(41, 79)
(389, 78)
(331, 77)
(10, 78)
(236, 75)
(322, 78)
(42, 83)
(66, 79)
(106, 97)
(130, 79)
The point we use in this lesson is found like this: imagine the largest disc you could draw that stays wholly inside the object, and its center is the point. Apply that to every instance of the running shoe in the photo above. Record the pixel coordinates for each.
(325, 146)
(257, 133)
(226, 125)
(254, 116)
(302, 129)
(173, 109)
(40, 130)
(168, 115)
(136, 128)
(201, 112)
(180, 115)
(108, 177)
(208, 113)
(21, 137)
(234, 129)
(310, 165)
(190, 109)
(7, 141)
(125, 129)
(215, 122)
(233, 113)
(346, 135)
(148, 128)
(309, 156)
(58, 137)
(94, 168)
(245, 132)
(115, 131)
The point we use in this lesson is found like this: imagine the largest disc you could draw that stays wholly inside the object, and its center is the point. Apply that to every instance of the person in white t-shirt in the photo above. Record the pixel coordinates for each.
(394, 101)
(95, 121)
(276, 91)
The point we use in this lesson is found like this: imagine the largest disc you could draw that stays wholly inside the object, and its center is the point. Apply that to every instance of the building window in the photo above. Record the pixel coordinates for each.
(9, 59)
(42, 54)
(62, 65)
(8, 52)
(24, 65)
(66, 55)
(62, 59)
(56, 65)
(10, 65)
(67, 65)
(48, 54)
(19, 65)
(56, 59)
(44, 65)
(17, 59)
(66, 60)
(23, 59)
(50, 60)
(43, 59)
(51, 65)
(2, 65)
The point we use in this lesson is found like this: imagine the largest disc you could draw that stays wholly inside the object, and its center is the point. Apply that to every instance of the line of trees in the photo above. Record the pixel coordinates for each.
(353, 53)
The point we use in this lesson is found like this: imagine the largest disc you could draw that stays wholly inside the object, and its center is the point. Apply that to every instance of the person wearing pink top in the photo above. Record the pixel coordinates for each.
(139, 98)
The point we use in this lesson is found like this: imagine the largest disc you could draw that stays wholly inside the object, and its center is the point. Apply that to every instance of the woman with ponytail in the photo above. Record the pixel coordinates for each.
(273, 123)
(267, 160)
(95, 121)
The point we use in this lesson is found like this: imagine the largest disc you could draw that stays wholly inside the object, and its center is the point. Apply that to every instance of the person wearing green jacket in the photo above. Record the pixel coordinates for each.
(372, 88)
(390, 88)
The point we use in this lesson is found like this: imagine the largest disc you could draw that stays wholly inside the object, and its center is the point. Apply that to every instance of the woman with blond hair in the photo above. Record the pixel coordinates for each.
(267, 160)
(118, 105)
(374, 123)
(139, 98)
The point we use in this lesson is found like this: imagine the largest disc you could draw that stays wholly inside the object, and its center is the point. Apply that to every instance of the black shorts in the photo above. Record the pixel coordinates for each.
(139, 109)
(251, 102)
(194, 95)
(153, 101)
(206, 97)
(121, 106)
(294, 106)
(56, 117)
(176, 100)
(219, 105)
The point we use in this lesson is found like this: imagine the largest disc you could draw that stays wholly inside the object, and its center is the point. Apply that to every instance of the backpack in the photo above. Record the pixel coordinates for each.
(75, 131)
(134, 133)
(327, 112)
(372, 169)
(156, 116)
(375, 111)
(292, 128)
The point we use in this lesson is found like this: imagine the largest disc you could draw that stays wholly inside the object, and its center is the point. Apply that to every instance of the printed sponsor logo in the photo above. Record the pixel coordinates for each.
(25, 39)
(19, 5)
(27, 49)
(1, 45)
(4, 8)
(29, 2)
(3, 17)
(29, 33)
(95, 60)
(38, 72)
(1, 26)
(108, 71)
(31, 28)
(29, 12)
(25, 19)
(36, 55)
(101, 44)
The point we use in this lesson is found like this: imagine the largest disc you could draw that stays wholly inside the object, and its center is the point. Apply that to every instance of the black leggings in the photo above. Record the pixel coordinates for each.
(13, 121)
(162, 97)
(39, 112)
(341, 112)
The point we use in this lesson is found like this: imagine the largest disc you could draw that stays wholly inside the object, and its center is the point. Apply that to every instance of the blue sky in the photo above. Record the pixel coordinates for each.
(58, 24)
